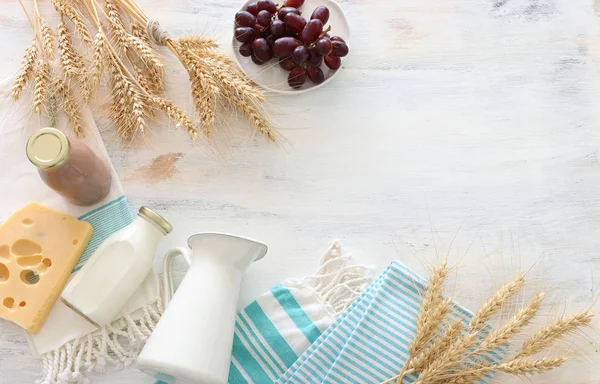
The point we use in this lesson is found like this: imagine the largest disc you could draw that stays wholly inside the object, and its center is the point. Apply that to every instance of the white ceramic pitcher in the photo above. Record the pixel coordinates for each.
(192, 341)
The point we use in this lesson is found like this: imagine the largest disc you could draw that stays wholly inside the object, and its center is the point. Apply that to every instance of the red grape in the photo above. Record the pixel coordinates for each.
(287, 63)
(321, 13)
(264, 18)
(337, 38)
(277, 28)
(245, 34)
(339, 48)
(253, 9)
(293, 3)
(311, 31)
(266, 5)
(285, 46)
(297, 77)
(257, 61)
(261, 49)
(294, 22)
(285, 10)
(270, 40)
(333, 62)
(315, 61)
(246, 49)
(323, 46)
(316, 75)
(300, 54)
(245, 19)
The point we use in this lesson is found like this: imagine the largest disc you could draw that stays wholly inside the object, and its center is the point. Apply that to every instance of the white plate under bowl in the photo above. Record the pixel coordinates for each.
(274, 78)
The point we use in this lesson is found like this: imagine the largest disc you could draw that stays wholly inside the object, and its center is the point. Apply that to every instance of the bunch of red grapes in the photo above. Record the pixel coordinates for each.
(266, 31)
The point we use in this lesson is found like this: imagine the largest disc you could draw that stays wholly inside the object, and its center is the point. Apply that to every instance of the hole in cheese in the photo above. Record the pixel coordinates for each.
(75, 242)
(27, 222)
(4, 273)
(8, 302)
(4, 252)
(47, 262)
(22, 304)
(24, 247)
(29, 277)
(29, 261)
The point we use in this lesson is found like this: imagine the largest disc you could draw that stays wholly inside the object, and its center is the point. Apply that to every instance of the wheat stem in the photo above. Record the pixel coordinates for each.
(553, 332)
(48, 39)
(67, 10)
(118, 28)
(69, 58)
(40, 86)
(495, 304)
(528, 367)
(72, 110)
(430, 315)
(513, 326)
(439, 346)
(26, 70)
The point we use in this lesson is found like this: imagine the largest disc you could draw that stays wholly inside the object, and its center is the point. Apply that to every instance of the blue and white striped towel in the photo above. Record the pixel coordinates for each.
(271, 332)
(368, 343)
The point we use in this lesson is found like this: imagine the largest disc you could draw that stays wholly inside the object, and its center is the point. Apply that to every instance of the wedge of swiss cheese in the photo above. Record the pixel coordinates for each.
(39, 248)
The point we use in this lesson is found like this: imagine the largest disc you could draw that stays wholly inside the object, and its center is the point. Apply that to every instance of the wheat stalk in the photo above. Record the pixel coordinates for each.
(439, 346)
(139, 31)
(128, 105)
(24, 74)
(528, 367)
(67, 10)
(71, 61)
(40, 86)
(496, 303)
(118, 28)
(48, 39)
(553, 332)
(198, 43)
(176, 114)
(95, 72)
(72, 110)
(432, 312)
(513, 326)
(147, 54)
(227, 72)
(204, 90)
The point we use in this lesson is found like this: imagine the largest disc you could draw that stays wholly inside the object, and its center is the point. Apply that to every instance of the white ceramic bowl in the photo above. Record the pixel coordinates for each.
(274, 78)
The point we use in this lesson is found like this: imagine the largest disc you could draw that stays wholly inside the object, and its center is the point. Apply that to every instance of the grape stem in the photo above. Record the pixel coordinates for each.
(321, 35)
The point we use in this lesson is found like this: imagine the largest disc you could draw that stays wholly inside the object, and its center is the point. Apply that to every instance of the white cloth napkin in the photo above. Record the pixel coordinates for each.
(69, 345)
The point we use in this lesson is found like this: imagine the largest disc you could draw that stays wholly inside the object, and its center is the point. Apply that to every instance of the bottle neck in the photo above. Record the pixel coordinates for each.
(149, 227)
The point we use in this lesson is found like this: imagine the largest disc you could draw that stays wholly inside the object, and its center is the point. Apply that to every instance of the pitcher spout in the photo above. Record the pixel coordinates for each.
(239, 251)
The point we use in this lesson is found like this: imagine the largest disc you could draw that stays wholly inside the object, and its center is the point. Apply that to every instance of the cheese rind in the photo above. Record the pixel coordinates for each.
(39, 248)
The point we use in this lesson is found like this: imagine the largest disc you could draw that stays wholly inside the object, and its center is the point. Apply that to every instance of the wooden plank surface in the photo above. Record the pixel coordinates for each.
(460, 128)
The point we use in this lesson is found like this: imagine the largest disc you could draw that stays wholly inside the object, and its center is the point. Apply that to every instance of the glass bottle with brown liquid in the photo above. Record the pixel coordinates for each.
(69, 166)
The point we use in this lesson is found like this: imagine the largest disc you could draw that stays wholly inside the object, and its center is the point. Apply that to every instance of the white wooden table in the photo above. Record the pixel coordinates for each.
(478, 120)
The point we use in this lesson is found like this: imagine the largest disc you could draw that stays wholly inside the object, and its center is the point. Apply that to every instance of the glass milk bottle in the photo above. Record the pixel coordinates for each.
(69, 166)
(113, 273)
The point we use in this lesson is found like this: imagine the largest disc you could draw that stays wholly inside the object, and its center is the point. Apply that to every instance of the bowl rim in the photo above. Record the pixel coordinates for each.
(291, 91)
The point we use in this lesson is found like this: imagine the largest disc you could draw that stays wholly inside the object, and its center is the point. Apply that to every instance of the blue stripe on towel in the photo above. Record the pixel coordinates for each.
(296, 313)
(106, 220)
(270, 333)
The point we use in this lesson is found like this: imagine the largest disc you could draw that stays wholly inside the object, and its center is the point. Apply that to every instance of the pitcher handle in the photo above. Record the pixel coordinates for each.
(168, 287)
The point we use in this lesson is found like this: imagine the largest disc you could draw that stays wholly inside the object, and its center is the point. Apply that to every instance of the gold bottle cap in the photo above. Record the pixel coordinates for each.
(48, 148)
(155, 218)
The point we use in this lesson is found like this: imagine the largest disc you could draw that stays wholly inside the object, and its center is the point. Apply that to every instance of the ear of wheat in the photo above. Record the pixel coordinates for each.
(453, 355)
(120, 44)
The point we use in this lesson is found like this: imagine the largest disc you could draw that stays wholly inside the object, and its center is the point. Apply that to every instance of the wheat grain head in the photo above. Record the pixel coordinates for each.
(26, 70)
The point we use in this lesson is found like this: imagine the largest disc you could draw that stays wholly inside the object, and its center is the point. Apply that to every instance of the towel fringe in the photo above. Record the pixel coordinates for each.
(337, 281)
(116, 345)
